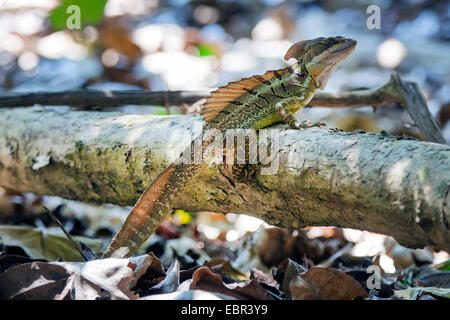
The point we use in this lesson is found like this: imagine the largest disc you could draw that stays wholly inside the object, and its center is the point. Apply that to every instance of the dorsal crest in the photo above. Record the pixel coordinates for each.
(225, 95)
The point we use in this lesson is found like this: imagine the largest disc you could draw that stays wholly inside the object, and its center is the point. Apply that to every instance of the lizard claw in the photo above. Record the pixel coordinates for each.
(308, 124)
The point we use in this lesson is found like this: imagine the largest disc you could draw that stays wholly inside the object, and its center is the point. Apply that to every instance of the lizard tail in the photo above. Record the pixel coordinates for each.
(153, 205)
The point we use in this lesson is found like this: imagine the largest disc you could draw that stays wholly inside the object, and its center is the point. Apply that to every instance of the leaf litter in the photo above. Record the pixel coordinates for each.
(37, 262)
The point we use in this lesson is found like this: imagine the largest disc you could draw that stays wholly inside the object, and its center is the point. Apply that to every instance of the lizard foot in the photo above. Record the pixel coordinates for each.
(308, 124)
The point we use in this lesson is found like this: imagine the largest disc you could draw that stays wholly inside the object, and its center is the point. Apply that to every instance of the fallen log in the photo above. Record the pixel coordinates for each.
(375, 182)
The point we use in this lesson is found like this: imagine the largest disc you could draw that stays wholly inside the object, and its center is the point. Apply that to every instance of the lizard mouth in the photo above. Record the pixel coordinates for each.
(349, 44)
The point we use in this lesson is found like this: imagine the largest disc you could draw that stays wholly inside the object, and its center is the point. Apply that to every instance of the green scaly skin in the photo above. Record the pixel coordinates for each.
(257, 108)
(272, 101)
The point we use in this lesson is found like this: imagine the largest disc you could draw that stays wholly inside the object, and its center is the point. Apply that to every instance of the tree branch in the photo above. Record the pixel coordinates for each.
(90, 98)
(395, 90)
(379, 183)
(93, 98)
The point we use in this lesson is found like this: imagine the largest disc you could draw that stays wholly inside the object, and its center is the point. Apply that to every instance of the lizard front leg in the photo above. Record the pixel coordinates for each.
(288, 117)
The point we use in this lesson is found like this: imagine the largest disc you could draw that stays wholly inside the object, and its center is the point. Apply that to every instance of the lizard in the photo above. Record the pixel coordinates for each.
(250, 103)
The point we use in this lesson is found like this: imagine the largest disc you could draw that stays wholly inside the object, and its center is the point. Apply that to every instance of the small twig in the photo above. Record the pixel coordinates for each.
(358, 98)
(90, 98)
(416, 105)
(405, 93)
(369, 97)
(75, 244)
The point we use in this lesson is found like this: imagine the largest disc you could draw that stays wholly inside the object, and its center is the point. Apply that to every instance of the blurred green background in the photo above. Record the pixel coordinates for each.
(190, 45)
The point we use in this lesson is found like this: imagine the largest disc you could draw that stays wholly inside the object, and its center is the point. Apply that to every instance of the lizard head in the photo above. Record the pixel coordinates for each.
(321, 56)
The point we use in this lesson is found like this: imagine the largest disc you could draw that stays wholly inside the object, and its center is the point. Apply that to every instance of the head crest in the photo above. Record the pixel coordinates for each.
(297, 50)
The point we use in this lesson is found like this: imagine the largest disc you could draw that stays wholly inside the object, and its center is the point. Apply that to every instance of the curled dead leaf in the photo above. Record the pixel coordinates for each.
(171, 281)
(205, 279)
(286, 271)
(223, 267)
(325, 284)
(34, 280)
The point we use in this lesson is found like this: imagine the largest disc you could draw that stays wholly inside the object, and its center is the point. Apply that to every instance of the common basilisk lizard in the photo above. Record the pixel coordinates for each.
(251, 103)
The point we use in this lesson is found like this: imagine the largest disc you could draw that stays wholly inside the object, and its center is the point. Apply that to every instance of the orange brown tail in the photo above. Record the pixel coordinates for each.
(153, 205)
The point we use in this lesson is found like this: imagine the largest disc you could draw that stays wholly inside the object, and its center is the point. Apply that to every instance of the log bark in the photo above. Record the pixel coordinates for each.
(375, 182)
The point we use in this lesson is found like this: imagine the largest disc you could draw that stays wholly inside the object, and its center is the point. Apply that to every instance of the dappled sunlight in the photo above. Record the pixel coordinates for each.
(387, 264)
(236, 60)
(93, 131)
(209, 232)
(268, 29)
(396, 174)
(28, 61)
(369, 244)
(271, 50)
(234, 226)
(169, 37)
(135, 119)
(352, 155)
(17, 4)
(138, 126)
(390, 53)
(25, 23)
(12, 43)
(130, 7)
(180, 70)
(134, 135)
(61, 45)
(245, 223)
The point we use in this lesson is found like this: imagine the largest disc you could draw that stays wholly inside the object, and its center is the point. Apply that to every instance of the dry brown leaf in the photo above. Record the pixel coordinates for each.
(286, 271)
(50, 244)
(206, 280)
(55, 290)
(223, 267)
(34, 280)
(111, 274)
(83, 281)
(272, 246)
(263, 277)
(438, 279)
(140, 265)
(10, 260)
(278, 243)
(171, 281)
(115, 35)
(325, 284)
(153, 275)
